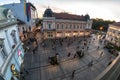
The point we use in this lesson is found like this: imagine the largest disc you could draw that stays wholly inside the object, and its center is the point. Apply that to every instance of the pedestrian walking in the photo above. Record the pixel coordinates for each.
(49, 59)
(101, 54)
(87, 47)
(24, 36)
(33, 51)
(75, 55)
(69, 54)
(110, 62)
(90, 63)
(77, 47)
(73, 73)
(26, 71)
(98, 47)
(22, 76)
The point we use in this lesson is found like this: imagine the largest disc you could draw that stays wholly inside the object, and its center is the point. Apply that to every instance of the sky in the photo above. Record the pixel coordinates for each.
(105, 9)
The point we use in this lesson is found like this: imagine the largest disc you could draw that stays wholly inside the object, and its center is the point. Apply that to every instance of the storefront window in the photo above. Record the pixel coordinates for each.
(20, 56)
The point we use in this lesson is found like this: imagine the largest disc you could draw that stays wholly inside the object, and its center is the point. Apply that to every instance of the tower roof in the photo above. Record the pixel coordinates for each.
(48, 13)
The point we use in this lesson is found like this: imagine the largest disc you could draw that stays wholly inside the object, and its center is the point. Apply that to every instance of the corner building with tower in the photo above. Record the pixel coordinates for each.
(60, 25)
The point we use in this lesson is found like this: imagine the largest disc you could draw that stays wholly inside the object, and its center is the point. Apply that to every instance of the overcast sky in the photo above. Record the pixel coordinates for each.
(106, 9)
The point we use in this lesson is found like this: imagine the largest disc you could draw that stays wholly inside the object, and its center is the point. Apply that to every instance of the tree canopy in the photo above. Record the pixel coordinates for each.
(100, 24)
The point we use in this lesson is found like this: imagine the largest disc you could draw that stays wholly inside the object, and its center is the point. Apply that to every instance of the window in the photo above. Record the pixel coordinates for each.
(80, 27)
(62, 26)
(49, 26)
(77, 26)
(74, 27)
(66, 26)
(49, 34)
(57, 26)
(70, 26)
(23, 28)
(29, 28)
(18, 29)
(2, 49)
(13, 34)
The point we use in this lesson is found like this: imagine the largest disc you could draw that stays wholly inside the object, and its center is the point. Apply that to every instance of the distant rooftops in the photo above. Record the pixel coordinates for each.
(49, 13)
(116, 24)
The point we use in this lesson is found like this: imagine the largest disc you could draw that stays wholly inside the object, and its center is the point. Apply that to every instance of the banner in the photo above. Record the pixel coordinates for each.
(28, 10)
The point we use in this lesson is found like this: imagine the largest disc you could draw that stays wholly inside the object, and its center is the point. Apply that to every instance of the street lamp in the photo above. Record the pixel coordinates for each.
(101, 28)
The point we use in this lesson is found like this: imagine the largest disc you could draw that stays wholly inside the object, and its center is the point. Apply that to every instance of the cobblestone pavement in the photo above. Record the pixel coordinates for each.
(39, 67)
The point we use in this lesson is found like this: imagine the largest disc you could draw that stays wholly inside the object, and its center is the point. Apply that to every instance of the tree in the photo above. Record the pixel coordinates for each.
(98, 23)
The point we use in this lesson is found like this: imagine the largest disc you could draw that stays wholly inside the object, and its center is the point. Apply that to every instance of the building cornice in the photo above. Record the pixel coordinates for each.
(7, 24)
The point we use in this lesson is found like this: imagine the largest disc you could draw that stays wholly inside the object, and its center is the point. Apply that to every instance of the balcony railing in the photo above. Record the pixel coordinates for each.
(112, 72)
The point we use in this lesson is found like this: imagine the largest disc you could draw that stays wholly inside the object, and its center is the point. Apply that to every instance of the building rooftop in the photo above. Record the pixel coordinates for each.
(49, 13)
(116, 24)
(69, 16)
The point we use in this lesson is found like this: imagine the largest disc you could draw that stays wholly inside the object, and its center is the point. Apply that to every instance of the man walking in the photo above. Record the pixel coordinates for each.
(69, 54)
(90, 63)
(73, 73)
(101, 54)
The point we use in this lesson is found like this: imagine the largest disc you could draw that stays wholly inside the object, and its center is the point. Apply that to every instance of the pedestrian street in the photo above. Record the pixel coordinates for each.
(69, 67)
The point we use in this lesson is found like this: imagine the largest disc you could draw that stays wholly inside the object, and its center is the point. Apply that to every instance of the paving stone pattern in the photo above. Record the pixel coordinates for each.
(40, 69)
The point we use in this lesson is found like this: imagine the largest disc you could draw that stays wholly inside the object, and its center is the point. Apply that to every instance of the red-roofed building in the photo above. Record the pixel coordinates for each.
(113, 33)
(65, 24)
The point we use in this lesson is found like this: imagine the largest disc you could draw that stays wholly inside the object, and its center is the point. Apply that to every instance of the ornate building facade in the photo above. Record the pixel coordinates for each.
(25, 12)
(11, 50)
(58, 25)
(113, 33)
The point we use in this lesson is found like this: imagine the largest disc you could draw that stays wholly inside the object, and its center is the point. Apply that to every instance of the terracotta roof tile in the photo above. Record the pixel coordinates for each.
(69, 16)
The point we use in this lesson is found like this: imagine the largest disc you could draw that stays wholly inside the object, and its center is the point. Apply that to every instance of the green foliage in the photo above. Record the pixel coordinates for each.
(97, 23)
(38, 22)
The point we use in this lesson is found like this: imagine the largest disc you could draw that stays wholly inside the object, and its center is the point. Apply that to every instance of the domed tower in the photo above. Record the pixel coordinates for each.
(87, 17)
(48, 13)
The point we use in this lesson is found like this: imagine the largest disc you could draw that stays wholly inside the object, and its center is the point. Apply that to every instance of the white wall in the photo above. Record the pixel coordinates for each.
(13, 57)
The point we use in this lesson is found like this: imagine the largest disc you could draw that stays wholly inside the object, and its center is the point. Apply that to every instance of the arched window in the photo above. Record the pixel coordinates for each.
(49, 26)
(13, 34)
(62, 26)
(2, 49)
(77, 26)
(66, 26)
(74, 26)
(57, 26)
(70, 26)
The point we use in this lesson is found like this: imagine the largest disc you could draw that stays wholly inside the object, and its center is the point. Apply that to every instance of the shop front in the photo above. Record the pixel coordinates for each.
(20, 56)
